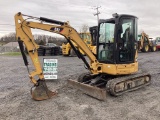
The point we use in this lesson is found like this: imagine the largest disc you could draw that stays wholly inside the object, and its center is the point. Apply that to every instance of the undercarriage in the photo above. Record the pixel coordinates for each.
(98, 86)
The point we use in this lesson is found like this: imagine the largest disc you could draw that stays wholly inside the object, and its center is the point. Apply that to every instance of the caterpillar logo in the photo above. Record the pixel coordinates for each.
(56, 29)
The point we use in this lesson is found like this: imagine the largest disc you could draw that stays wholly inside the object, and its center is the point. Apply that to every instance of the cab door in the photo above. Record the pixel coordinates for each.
(126, 41)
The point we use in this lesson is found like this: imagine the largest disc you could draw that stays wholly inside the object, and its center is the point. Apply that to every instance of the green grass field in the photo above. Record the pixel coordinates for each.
(12, 53)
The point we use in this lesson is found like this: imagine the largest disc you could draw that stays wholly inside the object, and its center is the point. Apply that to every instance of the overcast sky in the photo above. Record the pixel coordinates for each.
(79, 12)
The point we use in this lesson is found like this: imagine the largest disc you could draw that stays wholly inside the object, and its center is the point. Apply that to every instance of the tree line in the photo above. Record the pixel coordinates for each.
(40, 39)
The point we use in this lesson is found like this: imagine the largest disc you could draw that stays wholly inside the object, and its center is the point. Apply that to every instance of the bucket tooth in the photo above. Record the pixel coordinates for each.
(41, 91)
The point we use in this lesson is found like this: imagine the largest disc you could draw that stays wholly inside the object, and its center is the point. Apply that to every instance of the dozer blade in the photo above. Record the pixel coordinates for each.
(93, 91)
(41, 91)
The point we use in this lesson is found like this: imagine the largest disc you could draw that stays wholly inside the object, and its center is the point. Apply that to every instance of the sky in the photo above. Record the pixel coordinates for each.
(79, 12)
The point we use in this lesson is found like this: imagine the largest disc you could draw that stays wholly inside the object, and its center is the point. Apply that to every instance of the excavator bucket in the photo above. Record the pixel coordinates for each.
(41, 91)
(92, 91)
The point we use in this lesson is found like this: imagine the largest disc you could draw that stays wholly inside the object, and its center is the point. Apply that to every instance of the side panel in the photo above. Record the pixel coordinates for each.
(119, 69)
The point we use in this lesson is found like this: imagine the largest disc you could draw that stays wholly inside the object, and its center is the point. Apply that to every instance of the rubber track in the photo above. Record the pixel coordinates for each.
(111, 83)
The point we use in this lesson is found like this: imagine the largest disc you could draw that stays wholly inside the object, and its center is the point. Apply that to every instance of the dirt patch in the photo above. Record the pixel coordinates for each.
(71, 104)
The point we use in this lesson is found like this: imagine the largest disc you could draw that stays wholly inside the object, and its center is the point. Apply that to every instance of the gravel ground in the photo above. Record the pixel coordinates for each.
(71, 104)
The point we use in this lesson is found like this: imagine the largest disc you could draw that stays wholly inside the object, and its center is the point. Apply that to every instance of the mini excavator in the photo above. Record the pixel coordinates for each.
(112, 70)
(67, 50)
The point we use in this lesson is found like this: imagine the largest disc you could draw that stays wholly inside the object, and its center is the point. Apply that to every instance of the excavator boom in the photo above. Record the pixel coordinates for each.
(24, 36)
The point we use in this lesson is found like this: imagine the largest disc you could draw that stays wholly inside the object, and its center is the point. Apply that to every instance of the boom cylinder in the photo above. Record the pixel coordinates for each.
(52, 21)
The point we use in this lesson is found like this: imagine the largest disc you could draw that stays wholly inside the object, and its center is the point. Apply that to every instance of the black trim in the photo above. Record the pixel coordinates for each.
(22, 51)
(93, 31)
(52, 21)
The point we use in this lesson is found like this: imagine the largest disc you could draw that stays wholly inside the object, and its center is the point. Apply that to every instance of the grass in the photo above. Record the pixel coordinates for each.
(12, 53)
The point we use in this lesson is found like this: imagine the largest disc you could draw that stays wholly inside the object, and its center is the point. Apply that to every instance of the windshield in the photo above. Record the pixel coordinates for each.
(127, 37)
(139, 37)
(106, 41)
(158, 39)
(106, 32)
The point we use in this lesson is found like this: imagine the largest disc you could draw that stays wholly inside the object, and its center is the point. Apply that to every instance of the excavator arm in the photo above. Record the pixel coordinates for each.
(24, 36)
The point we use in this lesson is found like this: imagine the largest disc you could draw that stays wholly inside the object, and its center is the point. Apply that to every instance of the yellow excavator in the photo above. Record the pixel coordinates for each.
(88, 38)
(67, 50)
(111, 70)
(145, 44)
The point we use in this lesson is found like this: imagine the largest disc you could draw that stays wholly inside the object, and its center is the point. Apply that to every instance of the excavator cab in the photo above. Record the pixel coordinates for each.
(117, 60)
(117, 41)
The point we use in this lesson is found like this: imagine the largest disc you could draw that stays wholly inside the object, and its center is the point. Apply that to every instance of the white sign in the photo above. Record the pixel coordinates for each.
(50, 68)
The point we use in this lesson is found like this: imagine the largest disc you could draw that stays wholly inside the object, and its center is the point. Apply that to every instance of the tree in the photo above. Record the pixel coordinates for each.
(40, 39)
(84, 28)
(11, 37)
(42, 42)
